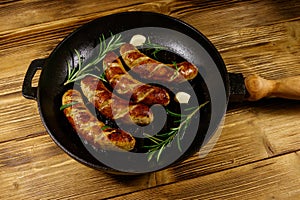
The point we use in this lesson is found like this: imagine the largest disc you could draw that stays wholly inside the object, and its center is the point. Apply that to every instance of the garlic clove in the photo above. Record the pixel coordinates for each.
(182, 97)
(137, 40)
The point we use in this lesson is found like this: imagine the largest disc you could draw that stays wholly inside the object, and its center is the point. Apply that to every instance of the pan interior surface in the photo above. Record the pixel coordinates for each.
(180, 41)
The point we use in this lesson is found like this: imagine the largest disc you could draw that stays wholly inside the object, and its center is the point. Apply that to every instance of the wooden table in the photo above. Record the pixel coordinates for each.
(257, 155)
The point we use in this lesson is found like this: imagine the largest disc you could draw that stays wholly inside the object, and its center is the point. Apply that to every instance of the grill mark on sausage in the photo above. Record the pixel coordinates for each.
(90, 128)
(149, 68)
(112, 106)
(124, 84)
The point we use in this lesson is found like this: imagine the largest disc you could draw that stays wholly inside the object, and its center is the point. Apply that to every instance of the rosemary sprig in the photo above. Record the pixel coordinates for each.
(83, 69)
(157, 47)
(163, 140)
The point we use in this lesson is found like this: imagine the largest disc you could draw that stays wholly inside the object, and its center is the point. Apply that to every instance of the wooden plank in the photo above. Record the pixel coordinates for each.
(32, 12)
(28, 13)
(16, 62)
(237, 15)
(269, 59)
(252, 132)
(252, 12)
(279, 175)
(19, 118)
(35, 168)
(286, 136)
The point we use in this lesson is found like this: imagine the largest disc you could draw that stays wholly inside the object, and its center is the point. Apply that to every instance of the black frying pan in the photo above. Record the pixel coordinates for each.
(212, 84)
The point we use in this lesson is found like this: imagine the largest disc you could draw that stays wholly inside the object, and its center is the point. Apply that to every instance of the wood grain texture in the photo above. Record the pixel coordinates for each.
(19, 118)
(256, 134)
(41, 170)
(260, 180)
(257, 154)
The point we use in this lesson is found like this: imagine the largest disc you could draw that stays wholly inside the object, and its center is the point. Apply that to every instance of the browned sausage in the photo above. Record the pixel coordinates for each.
(124, 84)
(112, 106)
(151, 69)
(90, 128)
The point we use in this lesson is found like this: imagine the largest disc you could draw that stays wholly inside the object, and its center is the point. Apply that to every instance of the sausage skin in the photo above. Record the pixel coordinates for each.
(125, 85)
(91, 129)
(112, 106)
(152, 69)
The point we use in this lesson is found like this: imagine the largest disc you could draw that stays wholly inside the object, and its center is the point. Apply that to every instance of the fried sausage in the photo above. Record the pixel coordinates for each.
(125, 85)
(90, 128)
(151, 69)
(112, 106)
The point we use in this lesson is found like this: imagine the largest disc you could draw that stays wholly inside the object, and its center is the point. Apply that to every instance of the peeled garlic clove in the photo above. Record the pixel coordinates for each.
(182, 97)
(137, 40)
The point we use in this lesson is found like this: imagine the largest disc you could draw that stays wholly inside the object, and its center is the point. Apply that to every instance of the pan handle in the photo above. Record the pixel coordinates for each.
(28, 91)
(259, 87)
